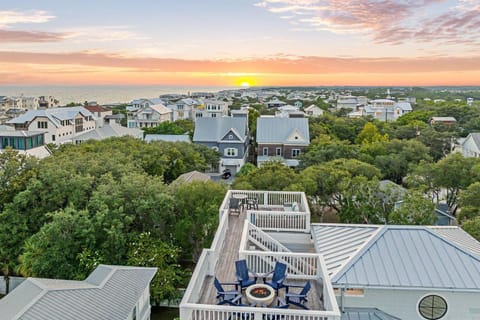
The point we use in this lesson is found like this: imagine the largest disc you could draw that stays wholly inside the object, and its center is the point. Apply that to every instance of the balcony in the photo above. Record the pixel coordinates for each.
(276, 229)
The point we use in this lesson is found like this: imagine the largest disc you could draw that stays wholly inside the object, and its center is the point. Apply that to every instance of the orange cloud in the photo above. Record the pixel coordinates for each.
(7, 36)
(102, 68)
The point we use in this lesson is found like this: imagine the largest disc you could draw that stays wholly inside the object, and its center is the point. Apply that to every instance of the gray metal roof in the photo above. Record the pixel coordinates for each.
(282, 130)
(458, 236)
(214, 129)
(109, 131)
(340, 243)
(55, 115)
(110, 292)
(366, 314)
(167, 137)
(475, 137)
(411, 257)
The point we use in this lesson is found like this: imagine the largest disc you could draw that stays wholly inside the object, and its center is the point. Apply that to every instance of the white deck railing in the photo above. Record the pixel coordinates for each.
(299, 265)
(215, 312)
(287, 221)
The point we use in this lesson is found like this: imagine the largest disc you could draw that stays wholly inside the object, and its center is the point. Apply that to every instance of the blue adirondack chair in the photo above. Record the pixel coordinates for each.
(243, 274)
(278, 277)
(298, 299)
(227, 296)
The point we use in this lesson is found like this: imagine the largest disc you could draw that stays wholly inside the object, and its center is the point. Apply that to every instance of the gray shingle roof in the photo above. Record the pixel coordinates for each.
(279, 130)
(214, 129)
(110, 292)
(413, 257)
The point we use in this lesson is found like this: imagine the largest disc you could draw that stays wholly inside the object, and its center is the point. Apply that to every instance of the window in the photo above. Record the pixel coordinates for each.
(295, 153)
(352, 292)
(278, 152)
(42, 124)
(432, 307)
(230, 152)
(265, 151)
(78, 125)
(214, 115)
(53, 137)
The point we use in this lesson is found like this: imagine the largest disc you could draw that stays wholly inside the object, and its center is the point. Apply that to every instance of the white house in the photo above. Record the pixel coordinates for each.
(60, 125)
(183, 109)
(138, 104)
(99, 113)
(212, 109)
(288, 111)
(471, 145)
(385, 109)
(347, 102)
(111, 130)
(149, 116)
(313, 111)
(275, 103)
(410, 272)
(355, 271)
(109, 292)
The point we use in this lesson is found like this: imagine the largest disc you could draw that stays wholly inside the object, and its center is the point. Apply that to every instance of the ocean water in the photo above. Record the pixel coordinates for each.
(102, 94)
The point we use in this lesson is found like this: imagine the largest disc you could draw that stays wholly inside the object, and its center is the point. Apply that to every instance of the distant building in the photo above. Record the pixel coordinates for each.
(347, 102)
(184, 109)
(100, 113)
(275, 103)
(283, 139)
(60, 125)
(211, 109)
(149, 116)
(443, 120)
(109, 292)
(30, 143)
(313, 111)
(228, 136)
(107, 131)
(469, 101)
(385, 109)
(471, 145)
(138, 104)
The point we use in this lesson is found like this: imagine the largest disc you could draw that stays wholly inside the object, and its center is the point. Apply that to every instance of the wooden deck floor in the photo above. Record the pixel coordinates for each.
(225, 268)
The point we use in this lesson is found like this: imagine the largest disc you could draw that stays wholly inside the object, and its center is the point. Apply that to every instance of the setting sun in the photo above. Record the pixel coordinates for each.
(245, 84)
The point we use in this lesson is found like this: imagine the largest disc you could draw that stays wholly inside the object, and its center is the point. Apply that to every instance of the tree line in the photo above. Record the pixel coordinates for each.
(110, 202)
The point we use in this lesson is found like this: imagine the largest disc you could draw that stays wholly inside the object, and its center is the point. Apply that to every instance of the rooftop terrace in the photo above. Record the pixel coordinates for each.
(278, 229)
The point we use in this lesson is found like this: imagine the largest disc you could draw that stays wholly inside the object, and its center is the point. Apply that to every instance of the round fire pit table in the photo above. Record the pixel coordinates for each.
(260, 294)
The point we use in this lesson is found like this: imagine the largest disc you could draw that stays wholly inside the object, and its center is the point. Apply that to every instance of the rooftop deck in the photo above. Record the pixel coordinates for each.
(252, 235)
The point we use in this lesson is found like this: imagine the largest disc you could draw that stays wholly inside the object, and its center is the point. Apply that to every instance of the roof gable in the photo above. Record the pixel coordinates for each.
(413, 257)
(231, 135)
(296, 137)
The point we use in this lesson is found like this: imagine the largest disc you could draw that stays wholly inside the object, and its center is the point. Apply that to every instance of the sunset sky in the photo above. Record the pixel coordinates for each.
(230, 42)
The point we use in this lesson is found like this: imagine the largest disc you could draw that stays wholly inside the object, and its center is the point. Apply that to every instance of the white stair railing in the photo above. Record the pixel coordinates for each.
(264, 241)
